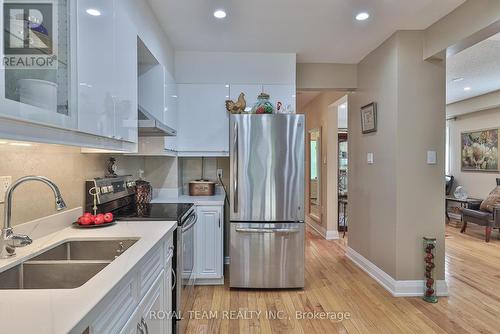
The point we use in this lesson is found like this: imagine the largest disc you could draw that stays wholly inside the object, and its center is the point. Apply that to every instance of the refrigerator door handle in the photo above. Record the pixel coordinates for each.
(267, 230)
(235, 169)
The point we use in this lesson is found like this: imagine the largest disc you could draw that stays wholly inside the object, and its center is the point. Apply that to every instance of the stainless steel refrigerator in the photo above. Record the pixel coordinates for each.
(267, 201)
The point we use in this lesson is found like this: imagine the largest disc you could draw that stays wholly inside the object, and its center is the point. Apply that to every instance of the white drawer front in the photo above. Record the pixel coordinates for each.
(149, 270)
(118, 312)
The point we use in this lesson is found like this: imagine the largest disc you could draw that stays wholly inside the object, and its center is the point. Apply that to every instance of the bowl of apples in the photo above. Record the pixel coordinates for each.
(89, 220)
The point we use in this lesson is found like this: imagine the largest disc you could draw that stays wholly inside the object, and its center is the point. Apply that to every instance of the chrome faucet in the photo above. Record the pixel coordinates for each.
(9, 240)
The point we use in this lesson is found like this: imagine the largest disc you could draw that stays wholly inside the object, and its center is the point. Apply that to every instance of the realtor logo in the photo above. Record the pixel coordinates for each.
(29, 35)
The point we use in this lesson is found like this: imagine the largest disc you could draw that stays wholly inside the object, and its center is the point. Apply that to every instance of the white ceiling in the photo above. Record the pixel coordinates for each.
(317, 30)
(479, 66)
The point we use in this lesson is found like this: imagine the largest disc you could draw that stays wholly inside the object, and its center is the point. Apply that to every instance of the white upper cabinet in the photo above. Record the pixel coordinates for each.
(107, 70)
(125, 76)
(251, 93)
(281, 93)
(203, 124)
(171, 110)
(96, 55)
(152, 90)
(35, 81)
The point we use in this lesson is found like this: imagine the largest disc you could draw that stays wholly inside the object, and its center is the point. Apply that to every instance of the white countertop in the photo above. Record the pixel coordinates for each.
(217, 199)
(58, 311)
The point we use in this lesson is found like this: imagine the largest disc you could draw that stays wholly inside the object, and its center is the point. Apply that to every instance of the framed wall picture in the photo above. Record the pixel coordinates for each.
(369, 118)
(480, 150)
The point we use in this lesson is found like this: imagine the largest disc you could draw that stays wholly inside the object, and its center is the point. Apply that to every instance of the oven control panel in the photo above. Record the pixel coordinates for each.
(109, 189)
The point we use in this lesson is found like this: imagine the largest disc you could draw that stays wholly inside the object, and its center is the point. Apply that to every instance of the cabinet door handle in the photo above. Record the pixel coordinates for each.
(175, 279)
(143, 322)
(235, 168)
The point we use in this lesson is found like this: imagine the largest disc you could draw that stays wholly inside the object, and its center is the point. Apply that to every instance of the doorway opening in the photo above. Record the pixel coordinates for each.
(326, 160)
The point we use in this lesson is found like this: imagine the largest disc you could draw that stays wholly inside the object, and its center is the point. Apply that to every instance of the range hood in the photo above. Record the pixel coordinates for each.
(149, 126)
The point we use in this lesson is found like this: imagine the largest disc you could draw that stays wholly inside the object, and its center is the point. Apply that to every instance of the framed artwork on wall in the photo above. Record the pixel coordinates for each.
(480, 150)
(369, 118)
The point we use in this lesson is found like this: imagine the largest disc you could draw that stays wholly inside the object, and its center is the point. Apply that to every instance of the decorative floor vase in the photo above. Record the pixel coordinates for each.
(430, 282)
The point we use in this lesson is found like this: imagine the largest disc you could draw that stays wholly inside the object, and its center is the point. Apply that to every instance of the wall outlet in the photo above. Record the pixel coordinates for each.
(5, 182)
(220, 173)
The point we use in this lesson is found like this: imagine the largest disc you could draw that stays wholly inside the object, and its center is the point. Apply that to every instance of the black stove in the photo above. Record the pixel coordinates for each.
(117, 195)
(152, 212)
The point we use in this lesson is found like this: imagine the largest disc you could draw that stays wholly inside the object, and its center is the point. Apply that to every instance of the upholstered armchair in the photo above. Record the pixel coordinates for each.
(488, 215)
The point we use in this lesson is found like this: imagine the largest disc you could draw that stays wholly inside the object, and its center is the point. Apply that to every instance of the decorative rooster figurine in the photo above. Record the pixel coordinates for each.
(237, 107)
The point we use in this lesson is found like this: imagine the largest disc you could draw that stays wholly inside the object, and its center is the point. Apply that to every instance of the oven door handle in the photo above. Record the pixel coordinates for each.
(193, 212)
(267, 230)
(190, 225)
(175, 279)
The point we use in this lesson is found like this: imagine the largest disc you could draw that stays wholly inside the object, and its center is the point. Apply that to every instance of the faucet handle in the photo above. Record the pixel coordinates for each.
(19, 240)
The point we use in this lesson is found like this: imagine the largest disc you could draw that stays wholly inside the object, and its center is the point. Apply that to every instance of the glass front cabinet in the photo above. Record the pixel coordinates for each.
(59, 66)
(36, 71)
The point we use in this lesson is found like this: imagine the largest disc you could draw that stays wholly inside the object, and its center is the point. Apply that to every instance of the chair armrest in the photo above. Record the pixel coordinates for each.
(496, 215)
(474, 206)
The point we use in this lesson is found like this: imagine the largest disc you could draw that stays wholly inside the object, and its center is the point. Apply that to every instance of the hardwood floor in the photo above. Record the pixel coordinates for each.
(334, 284)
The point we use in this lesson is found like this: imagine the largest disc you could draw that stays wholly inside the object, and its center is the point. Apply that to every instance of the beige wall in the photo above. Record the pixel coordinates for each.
(478, 103)
(318, 116)
(399, 199)
(162, 172)
(191, 169)
(477, 184)
(319, 76)
(65, 165)
(372, 188)
(468, 24)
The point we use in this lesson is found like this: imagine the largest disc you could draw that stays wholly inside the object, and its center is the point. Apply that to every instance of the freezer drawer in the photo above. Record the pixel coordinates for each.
(267, 255)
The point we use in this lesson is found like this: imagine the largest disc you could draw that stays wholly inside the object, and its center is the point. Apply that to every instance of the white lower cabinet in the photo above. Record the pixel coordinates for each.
(209, 231)
(146, 318)
(142, 303)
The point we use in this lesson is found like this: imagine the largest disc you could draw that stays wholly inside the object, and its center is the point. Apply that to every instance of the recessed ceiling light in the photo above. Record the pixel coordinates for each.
(20, 144)
(220, 13)
(362, 16)
(457, 79)
(467, 89)
(93, 12)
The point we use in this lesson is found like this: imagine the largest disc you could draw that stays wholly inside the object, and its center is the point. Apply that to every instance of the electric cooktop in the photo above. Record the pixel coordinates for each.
(153, 211)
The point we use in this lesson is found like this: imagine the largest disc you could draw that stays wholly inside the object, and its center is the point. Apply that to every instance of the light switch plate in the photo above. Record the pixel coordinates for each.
(431, 157)
(5, 182)
(369, 158)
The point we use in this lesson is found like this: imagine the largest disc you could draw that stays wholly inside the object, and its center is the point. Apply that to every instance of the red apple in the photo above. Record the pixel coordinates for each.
(99, 219)
(85, 220)
(87, 214)
(108, 217)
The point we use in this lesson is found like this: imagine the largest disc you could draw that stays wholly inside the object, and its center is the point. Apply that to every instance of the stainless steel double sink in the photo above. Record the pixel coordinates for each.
(65, 266)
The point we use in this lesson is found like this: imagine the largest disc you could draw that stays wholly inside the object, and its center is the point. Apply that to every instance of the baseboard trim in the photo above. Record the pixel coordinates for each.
(403, 288)
(209, 281)
(328, 235)
(332, 235)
